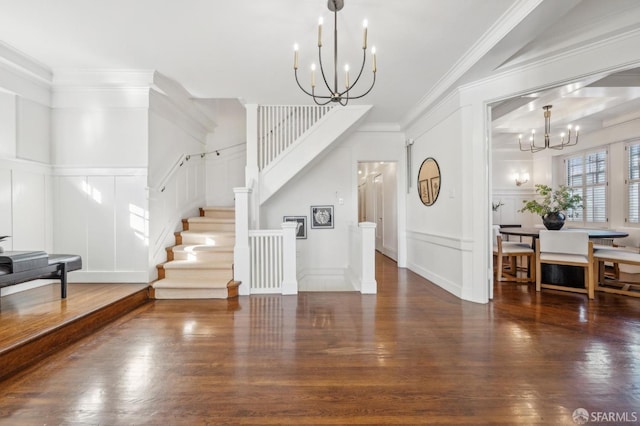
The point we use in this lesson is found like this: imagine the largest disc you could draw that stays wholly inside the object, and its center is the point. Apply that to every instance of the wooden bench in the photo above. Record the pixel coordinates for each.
(17, 267)
(617, 257)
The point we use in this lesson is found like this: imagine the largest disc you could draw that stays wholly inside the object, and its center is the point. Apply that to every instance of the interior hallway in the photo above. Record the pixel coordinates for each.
(411, 354)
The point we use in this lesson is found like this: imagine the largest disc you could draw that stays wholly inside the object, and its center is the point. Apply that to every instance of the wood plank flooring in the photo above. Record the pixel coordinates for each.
(412, 354)
(37, 322)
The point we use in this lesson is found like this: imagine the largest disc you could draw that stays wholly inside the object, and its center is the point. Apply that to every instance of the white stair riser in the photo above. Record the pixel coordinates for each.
(199, 274)
(191, 293)
(207, 256)
(214, 240)
(212, 227)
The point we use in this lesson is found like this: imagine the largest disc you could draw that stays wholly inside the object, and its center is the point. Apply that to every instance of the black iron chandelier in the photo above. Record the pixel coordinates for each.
(335, 95)
(531, 146)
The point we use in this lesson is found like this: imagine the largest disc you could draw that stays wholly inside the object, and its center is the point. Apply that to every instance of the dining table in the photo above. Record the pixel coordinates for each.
(603, 234)
(565, 275)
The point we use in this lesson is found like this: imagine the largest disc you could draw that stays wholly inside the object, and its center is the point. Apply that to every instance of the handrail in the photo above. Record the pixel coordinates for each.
(180, 162)
(176, 166)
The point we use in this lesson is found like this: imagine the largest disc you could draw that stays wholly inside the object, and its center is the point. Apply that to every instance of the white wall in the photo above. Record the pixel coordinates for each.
(225, 172)
(99, 152)
(436, 237)
(26, 208)
(323, 256)
(504, 164)
(177, 171)
(226, 168)
(473, 256)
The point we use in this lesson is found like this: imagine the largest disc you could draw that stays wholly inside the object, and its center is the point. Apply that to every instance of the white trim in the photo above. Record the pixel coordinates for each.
(108, 277)
(441, 240)
(505, 24)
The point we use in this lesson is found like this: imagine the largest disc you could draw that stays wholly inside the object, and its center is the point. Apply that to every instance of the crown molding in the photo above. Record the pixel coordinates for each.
(507, 22)
(24, 65)
(103, 78)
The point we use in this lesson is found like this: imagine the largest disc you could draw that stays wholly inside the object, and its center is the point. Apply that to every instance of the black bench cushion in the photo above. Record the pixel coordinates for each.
(19, 261)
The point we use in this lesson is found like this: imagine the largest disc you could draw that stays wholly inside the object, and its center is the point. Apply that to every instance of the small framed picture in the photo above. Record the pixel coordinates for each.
(301, 230)
(321, 217)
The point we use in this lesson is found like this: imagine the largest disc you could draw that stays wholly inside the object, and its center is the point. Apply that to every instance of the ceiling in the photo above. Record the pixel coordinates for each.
(243, 49)
(592, 103)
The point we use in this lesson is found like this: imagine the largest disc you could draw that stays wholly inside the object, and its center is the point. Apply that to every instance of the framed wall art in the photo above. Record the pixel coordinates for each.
(301, 230)
(322, 217)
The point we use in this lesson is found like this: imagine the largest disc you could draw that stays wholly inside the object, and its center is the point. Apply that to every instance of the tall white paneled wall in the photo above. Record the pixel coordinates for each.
(99, 164)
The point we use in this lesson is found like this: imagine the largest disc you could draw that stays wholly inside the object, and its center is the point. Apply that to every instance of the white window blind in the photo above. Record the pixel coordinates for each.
(587, 176)
(633, 183)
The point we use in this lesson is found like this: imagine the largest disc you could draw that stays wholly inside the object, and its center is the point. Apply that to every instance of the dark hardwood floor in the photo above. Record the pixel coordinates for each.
(412, 354)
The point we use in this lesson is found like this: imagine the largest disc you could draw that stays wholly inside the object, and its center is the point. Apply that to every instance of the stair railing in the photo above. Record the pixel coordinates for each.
(279, 126)
(264, 260)
(273, 260)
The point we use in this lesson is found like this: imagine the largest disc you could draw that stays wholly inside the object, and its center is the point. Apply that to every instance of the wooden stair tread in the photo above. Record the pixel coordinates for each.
(184, 284)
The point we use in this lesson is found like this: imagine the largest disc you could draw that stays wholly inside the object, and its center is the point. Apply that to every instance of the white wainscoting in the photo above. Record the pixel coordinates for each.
(102, 215)
(437, 258)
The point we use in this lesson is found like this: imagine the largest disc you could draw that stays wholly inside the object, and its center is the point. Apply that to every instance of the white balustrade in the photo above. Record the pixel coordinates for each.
(279, 126)
(273, 260)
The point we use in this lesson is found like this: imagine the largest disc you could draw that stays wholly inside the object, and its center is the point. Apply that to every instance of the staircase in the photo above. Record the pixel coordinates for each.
(200, 265)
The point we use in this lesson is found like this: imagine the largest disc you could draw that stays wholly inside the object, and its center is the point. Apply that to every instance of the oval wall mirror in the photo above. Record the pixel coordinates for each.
(429, 181)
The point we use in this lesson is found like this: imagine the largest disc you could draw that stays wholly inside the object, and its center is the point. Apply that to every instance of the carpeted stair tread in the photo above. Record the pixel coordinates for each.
(196, 264)
(202, 248)
(210, 220)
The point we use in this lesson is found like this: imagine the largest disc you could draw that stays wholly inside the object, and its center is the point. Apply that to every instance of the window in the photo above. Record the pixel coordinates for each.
(587, 176)
(633, 183)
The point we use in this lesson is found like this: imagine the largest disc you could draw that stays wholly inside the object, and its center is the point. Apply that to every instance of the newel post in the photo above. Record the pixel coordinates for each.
(241, 253)
(368, 245)
(289, 279)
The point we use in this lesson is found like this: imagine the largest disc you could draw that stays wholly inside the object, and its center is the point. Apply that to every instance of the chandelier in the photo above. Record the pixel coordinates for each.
(531, 146)
(335, 95)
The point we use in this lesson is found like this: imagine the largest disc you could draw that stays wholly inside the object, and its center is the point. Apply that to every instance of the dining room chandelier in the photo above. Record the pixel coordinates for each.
(531, 146)
(334, 94)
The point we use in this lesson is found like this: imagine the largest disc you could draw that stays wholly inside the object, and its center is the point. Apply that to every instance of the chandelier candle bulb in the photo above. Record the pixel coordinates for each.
(295, 56)
(333, 92)
(364, 42)
(346, 76)
(373, 53)
(547, 135)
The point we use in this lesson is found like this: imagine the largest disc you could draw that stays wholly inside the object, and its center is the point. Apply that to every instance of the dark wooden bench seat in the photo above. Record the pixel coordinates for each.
(17, 267)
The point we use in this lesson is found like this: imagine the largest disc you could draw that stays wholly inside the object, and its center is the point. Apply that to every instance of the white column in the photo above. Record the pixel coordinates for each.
(241, 254)
(368, 244)
(289, 279)
(252, 171)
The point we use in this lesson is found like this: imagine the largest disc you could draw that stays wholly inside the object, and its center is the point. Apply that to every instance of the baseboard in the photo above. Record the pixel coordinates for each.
(325, 279)
(438, 280)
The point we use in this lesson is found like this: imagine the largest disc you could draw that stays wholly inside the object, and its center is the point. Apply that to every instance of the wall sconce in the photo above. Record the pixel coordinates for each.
(521, 178)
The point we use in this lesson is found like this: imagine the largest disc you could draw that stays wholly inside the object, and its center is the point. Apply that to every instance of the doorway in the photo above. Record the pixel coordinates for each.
(377, 203)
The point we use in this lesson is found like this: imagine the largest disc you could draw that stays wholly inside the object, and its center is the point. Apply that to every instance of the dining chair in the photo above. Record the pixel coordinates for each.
(568, 249)
(512, 250)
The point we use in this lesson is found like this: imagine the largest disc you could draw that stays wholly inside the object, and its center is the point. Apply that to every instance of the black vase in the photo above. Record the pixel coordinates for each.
(553, 221)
